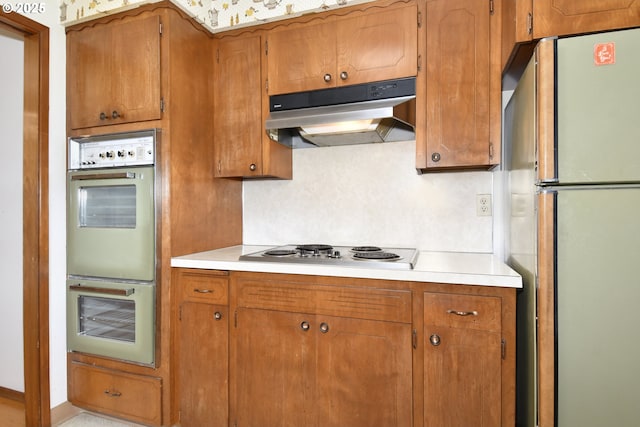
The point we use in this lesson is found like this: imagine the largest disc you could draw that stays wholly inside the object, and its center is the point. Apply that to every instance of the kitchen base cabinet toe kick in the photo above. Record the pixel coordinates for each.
(332, 351)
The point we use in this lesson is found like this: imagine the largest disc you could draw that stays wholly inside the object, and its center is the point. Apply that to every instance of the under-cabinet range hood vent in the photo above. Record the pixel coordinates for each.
(358, 114)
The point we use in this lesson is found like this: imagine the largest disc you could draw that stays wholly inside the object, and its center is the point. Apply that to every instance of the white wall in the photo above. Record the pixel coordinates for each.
(11, 114)
(57, 195)
(368, 194)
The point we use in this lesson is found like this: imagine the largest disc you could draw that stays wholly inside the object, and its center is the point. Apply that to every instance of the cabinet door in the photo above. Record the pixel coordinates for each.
(135, 70)
(377, 46)
(302, 57)
(88, 75)
(458, 78)
(273, 376)
(237, 115)
(203, 365)
(114, 73)
(562, 17)
(462, 361)
(363, 373)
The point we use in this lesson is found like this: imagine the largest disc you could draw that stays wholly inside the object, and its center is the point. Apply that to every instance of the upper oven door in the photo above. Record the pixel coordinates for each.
(111, 223)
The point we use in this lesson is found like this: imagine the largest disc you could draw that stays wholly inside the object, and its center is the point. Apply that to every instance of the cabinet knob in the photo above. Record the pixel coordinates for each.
(114, 114)
(327, 77)
(324, 327)
(217, 315)
(305, 326)
(252, 167)
(103, 116)
(434, 340)
(435, 157)
(344, 75)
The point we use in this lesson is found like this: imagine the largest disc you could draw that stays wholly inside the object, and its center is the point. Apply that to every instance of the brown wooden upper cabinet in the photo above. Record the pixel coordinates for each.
(113, 72)
(527, 20)
(374, 45)
(458, 97)
(242, 147)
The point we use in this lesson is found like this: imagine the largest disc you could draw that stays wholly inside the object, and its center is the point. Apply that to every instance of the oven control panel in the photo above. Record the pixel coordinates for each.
(116, 151)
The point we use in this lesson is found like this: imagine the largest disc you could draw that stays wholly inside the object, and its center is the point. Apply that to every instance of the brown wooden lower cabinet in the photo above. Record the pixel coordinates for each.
(204, 368)
(462, 361)
(202, 348)
(300, 369)
(133, 397)
(304, 351)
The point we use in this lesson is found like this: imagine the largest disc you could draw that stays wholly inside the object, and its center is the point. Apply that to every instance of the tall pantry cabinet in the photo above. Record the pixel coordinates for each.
(151, 67)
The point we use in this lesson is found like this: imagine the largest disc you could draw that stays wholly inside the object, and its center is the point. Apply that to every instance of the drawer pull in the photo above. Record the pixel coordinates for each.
(305, 326)
(324, 327)
(203, 291)
(463, 313)
(112, 393)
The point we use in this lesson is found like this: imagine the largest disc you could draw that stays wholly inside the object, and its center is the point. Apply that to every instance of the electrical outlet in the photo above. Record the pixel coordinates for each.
(483, 205)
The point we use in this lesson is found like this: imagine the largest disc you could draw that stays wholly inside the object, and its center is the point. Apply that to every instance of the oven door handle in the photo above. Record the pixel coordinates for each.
(115, 175)
(97, 290)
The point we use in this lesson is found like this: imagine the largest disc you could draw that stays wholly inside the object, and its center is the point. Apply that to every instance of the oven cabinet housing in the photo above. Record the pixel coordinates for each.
(458, 115)
(202, 354)
(194, 211)
(528, 20)
(114, 72)
(242, 147)
(117, 393)
(319, 354)
(360, 47)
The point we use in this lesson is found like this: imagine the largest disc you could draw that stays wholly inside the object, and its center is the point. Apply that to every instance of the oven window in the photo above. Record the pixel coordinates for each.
(107, 318)
(109, 206)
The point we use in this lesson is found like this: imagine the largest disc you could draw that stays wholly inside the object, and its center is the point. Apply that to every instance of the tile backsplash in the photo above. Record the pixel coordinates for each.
(215, 15)
(368, 194)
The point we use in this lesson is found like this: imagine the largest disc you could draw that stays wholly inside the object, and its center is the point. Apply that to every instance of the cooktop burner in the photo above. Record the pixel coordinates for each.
(322, 254)
(381, 255)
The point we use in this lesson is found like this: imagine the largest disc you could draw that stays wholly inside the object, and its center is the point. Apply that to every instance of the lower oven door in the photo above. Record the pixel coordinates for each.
(112, 319)
(111, 223)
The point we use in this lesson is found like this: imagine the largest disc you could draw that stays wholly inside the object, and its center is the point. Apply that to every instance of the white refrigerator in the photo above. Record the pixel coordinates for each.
(572, 166)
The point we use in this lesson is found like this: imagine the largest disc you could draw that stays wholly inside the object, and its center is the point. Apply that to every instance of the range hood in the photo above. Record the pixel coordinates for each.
(357, 114)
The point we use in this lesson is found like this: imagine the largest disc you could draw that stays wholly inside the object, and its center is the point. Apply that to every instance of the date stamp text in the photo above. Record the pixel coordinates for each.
(24, 8)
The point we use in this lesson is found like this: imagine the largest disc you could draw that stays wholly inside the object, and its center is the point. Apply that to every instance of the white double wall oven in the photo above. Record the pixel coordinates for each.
(111, 245)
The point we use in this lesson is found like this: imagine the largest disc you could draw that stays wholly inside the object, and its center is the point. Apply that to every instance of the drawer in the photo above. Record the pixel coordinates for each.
(462, 311)
(133, 397)
(342, 301)
(205, 287)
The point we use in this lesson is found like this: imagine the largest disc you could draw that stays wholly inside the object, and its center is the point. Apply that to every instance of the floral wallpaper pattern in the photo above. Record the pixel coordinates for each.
(215, 15)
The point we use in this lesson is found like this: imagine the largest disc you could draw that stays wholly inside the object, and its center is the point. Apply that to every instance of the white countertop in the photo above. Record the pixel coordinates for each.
(437, 267)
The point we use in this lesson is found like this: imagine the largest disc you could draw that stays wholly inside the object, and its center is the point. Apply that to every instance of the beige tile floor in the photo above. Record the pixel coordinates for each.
(12, 415)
